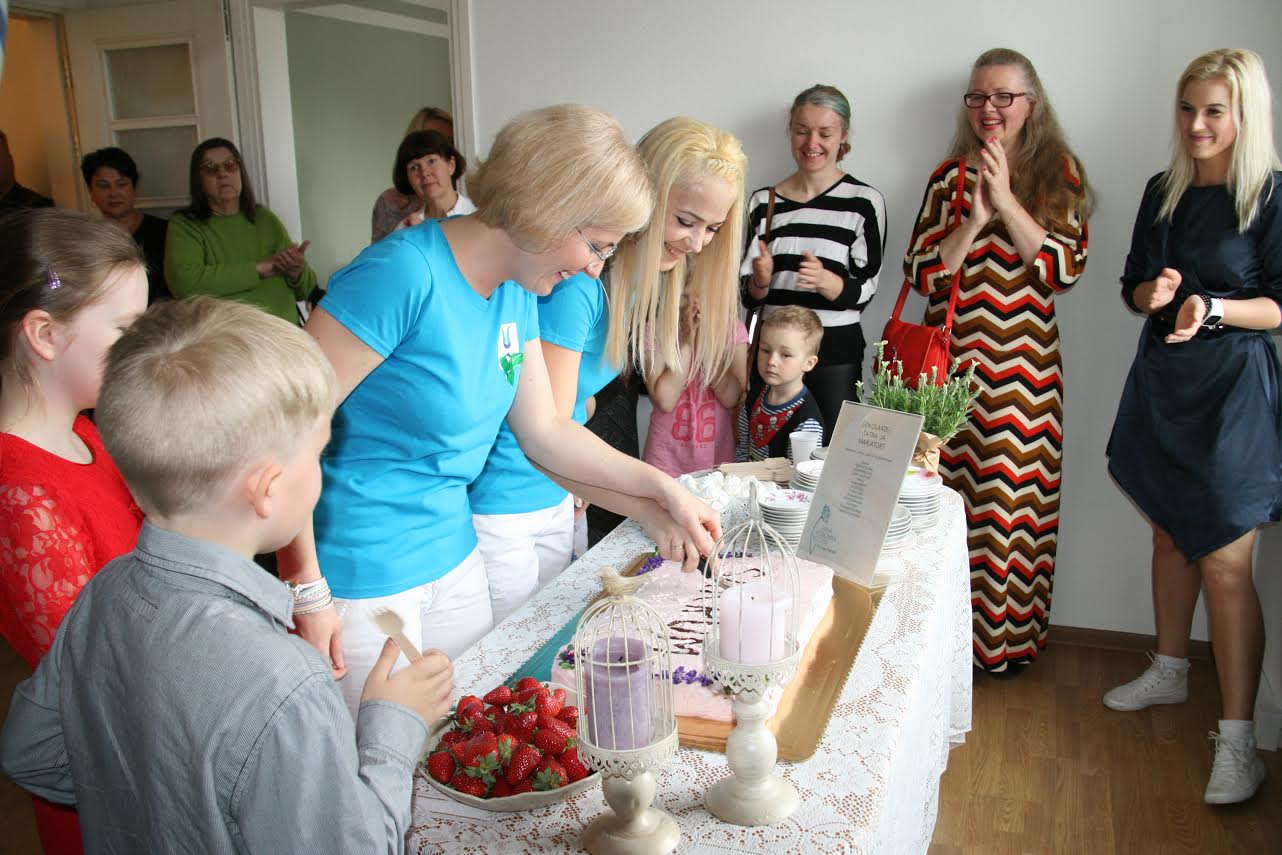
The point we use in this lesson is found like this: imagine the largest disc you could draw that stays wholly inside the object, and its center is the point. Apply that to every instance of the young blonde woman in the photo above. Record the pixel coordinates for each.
(590, 329)
(1021, 242)
(434, 334)
(1197, 443)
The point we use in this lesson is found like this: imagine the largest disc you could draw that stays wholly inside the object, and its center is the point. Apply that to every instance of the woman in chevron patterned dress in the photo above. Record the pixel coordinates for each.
(1022, 239)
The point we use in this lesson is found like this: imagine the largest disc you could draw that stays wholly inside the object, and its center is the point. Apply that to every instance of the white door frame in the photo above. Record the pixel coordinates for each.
(260, 73)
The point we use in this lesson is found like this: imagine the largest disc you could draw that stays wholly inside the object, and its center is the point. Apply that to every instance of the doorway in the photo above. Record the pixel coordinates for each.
(34, 110)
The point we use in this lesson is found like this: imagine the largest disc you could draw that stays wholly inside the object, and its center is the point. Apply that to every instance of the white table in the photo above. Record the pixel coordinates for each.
(872, 787)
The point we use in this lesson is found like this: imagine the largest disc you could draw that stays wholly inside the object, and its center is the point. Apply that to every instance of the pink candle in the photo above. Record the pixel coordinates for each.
(618, 694)
(751, 619)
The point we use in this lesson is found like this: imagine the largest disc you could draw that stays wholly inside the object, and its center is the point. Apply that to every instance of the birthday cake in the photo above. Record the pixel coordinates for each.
(678, 598)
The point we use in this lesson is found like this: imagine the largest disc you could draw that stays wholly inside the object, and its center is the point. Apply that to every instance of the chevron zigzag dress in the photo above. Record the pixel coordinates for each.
(1006, 461)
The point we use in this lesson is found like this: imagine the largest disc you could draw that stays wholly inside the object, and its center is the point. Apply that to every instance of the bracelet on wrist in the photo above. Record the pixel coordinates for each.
(314, 606)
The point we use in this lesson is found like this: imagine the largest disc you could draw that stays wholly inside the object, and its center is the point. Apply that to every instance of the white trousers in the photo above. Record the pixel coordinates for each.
(449, 615)
(523, 552)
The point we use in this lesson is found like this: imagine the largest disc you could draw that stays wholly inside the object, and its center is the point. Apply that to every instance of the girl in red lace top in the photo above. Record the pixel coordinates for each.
(69, 285)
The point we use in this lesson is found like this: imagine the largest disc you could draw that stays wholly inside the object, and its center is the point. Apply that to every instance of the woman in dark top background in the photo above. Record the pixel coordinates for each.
(1197, 443)
(112, 178)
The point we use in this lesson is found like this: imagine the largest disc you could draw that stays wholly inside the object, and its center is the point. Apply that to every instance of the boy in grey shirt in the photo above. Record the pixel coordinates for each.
(174, 710)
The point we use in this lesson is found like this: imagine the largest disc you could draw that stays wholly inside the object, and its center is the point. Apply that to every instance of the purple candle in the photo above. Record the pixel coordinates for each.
(617, 685)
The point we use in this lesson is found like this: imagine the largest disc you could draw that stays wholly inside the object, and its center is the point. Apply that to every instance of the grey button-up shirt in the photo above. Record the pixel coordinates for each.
(178, 715)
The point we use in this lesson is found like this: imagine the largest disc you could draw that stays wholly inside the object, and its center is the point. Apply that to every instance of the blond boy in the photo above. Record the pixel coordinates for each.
(175, 710)
(787, 348)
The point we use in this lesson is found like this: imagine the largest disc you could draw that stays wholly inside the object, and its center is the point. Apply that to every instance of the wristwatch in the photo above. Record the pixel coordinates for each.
(1214, 311)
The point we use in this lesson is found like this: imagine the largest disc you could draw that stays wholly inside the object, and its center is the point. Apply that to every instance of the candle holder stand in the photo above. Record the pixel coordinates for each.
(750, 647)
(627, 728)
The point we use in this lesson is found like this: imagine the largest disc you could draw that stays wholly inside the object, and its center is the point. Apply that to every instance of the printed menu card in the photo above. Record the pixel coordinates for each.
(867, 458)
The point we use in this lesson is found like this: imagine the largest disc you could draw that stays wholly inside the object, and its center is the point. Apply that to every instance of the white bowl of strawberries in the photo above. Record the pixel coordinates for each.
(513, 749)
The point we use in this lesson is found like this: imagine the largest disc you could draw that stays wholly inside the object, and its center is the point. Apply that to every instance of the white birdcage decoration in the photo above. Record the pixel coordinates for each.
(751, 647)
(627, 726)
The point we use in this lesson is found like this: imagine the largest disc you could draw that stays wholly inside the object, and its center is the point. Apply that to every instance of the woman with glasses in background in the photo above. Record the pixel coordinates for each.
(628, 320)
(225, 244)
(816, 240)
(1021, 240)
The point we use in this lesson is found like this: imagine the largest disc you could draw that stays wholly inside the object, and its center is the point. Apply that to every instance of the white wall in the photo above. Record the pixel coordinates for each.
(1109, 67)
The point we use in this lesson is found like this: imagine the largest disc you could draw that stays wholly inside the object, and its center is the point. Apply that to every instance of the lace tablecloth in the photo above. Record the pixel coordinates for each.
(873, 786)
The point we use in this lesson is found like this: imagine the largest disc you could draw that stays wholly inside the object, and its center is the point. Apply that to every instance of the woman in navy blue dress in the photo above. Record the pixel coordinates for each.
(1197, 443)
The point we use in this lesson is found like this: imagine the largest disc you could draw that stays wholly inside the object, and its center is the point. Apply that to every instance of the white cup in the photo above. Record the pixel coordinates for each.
(802, 444)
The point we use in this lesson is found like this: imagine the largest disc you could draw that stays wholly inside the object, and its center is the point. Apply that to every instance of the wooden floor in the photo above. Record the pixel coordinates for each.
(1049, 769)
(1046, 769)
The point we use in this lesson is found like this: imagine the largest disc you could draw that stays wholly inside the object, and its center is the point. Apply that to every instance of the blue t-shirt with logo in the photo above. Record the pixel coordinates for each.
(575, 316)
(393, 512)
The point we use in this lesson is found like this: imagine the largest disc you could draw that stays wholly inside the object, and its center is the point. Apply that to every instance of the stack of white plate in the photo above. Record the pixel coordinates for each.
(900, 532)
(920, 495)
(820, 453)
(805, 475)
(785, 511)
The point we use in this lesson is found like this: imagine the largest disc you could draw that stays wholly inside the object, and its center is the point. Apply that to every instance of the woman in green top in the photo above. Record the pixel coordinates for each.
(227, 245)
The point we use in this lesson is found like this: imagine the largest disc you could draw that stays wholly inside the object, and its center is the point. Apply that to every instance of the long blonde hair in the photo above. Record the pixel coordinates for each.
(1037, 177)
(645, 303)
(1254, 155)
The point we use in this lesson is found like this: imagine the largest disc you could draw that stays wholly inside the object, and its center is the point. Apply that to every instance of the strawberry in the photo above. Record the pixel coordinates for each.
(522, 787)
(551, 703)
(500, 789)
(464, 704)
(569, 715)
(496, 715)
(524, 760)
(481, 744)
(507, 745)
(467, 784)
(528, 695)
(549, 775)
(484, 767)
(473, 720)
(499, 696)
(527, 683)
(551, 742)
(452, 737)
(565, 731)
(522, 725)
(441, 765)
(574, 768)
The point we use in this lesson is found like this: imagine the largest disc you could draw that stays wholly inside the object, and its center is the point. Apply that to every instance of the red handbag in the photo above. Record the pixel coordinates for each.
(918, 348)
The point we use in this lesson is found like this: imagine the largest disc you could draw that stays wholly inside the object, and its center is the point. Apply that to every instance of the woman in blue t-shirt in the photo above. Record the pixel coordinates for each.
(590, 329)
(430, 333)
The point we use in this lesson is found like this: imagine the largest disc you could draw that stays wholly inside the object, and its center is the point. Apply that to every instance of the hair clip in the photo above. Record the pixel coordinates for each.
(54, 282)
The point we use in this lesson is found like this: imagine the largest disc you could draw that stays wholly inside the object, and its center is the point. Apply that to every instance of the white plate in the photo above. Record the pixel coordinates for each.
(784, 500)
(820, 453)
(810, 469)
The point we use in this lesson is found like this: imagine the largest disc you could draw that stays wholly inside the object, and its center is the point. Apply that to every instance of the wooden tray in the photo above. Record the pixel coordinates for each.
(808, 701)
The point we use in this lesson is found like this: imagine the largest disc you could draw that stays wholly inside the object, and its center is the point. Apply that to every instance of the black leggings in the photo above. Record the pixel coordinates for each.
(830, 385)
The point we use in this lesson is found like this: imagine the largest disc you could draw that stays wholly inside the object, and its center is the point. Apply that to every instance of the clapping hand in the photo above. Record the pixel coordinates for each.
(412, 220)
(996, 177)
(290, 262)
(763, 266)
(981, 205)
(1188, 321)
(813, 276)
(1165, 284)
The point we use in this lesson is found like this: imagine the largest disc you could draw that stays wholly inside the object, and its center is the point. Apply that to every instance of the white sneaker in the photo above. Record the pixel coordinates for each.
(1157, 685)
(1237, 772)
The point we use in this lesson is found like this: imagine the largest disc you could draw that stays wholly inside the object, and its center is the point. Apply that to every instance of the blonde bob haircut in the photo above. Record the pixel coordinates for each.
(645, 304)
(1037, 177)
(197, 389)
(1254, 155)
(558, 169)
